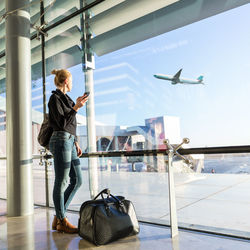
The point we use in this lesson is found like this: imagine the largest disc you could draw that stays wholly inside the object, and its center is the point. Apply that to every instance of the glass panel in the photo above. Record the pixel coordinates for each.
(2, 28)
(2, 108)
(63, 51)
(120, 13)
(2, 62)
(34, 16)
(37, 97)
(214, 194)
(131, 100)
(2, 7)
(60, 9)
(37, 118)
(2, 37)
(82, 194)
(2, 129)
(3, 185)
(143, 180)
(39, 183)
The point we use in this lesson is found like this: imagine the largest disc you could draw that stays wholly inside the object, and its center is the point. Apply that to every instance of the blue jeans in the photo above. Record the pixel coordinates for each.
(67, 166)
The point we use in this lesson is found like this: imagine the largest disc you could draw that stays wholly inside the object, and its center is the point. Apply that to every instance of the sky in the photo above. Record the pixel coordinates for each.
(214, 114)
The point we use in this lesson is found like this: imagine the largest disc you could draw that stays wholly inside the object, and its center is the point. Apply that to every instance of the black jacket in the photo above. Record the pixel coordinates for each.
(62, 116)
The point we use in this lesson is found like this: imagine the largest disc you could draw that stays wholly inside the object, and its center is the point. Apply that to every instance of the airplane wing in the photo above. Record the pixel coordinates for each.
(177, 75)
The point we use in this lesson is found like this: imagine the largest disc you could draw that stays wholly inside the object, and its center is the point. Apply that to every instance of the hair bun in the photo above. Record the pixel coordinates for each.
(54, 71)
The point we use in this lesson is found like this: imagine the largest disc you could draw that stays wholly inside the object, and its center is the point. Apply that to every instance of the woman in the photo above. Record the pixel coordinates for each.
(64, 147)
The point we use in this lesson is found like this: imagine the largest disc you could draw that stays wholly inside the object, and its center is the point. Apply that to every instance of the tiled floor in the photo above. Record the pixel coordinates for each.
(34, 232)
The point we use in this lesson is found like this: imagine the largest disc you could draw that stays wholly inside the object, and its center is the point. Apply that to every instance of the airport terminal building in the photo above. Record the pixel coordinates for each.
(166, 123)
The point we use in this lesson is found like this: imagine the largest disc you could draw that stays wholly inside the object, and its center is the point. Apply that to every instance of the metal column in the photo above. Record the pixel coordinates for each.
(88, 67)
(42, 23)
(91, 133)
(18, 110)
(172, 151)
(171, 191)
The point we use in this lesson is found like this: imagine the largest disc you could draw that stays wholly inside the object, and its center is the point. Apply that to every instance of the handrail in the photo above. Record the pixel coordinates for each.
(184, 151)
(216, 150)
(123, 153)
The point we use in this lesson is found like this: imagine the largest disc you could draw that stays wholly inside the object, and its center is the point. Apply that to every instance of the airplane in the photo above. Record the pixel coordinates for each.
(176, 78)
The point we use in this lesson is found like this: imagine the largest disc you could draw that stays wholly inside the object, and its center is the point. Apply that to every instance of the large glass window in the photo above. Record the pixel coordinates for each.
(189, 82)
(128, 94)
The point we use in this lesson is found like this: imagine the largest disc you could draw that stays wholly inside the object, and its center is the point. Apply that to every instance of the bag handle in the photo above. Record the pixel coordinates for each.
(107, 192)
(106, 205)
(104, 191)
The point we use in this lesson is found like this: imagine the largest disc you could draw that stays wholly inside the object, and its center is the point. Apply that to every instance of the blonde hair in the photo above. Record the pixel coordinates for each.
(60, 76)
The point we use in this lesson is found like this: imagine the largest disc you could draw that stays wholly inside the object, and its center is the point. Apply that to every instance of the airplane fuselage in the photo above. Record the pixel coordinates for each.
(177, 80)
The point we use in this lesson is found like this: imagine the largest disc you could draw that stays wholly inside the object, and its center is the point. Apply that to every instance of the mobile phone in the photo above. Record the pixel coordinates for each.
(86, 94)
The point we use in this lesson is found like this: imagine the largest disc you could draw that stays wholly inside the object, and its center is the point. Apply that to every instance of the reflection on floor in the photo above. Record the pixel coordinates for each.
(34, 232)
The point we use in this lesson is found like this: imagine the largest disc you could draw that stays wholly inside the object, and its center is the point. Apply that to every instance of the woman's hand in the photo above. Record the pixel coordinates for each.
(80, 101)
(78, 149)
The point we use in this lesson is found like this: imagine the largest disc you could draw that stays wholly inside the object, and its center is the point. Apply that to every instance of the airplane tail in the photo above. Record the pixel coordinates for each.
(200, 78)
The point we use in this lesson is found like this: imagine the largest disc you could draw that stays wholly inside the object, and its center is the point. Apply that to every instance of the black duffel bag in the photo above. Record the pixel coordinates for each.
(107, 219)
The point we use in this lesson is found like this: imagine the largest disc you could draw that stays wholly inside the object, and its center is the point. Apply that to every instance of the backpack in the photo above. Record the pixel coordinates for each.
(45, 133)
